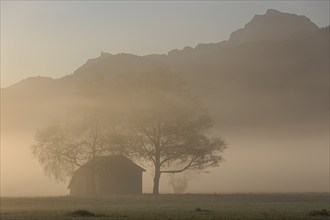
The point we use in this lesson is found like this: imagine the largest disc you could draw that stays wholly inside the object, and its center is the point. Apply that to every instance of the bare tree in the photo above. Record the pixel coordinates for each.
(63, 147)
(167, 125)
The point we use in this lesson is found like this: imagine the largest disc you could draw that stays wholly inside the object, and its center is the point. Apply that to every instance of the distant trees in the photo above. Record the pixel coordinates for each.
(150, 116)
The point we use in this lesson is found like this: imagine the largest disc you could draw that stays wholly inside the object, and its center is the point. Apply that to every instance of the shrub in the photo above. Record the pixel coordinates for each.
(322, 212)
(82, 213)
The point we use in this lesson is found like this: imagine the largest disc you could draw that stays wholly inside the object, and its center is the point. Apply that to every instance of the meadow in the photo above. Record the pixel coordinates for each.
(171, 207)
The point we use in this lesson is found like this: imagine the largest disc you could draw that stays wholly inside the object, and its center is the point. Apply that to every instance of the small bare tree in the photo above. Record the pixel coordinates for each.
(179, 182)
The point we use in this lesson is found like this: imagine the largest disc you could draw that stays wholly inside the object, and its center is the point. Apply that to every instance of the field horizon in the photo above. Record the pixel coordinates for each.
(169, 194)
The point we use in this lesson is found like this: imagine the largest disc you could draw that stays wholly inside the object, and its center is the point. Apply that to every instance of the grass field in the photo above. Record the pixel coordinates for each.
(171, 207)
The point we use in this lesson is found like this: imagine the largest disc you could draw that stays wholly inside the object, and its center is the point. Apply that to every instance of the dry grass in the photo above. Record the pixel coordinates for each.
(169, 207)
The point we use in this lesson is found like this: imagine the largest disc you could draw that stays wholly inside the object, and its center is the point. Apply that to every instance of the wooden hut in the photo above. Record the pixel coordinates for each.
(107, 175)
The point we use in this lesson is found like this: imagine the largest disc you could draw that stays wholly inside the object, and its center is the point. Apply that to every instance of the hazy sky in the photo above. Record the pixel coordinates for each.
(54, 38)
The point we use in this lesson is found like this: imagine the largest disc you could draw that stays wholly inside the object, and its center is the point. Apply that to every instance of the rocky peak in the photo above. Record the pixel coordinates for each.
(272, 26)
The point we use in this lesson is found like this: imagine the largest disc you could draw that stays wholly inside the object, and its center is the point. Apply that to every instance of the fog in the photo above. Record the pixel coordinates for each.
(267, 93)
(282, 161)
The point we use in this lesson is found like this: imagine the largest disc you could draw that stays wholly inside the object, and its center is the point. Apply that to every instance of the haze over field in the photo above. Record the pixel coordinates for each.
(264, 79)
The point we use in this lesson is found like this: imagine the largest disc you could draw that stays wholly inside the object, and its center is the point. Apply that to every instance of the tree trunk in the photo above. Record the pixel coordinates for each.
(156, 181)
(94, 194)
(157, 170)
(157, 173)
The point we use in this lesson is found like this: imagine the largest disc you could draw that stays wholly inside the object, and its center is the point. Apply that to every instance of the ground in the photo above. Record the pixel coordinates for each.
(171, 207)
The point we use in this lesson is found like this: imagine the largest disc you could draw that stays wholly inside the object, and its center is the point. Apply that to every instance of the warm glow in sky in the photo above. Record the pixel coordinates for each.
(54, 38)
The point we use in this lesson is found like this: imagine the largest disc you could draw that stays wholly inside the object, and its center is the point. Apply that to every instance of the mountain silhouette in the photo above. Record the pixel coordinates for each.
(273, 70)
(273, 26)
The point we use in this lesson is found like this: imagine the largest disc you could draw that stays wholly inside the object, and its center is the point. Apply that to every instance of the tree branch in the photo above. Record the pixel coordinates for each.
(179, 170)
(67, 158)
(148, 152)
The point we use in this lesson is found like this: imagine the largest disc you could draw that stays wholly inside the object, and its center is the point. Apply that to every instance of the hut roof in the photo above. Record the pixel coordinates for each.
(115, 161)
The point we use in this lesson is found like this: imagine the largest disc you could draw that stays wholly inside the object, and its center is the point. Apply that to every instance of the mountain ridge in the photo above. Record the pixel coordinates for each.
(236, 38)
(274, 26)
(289, 75)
